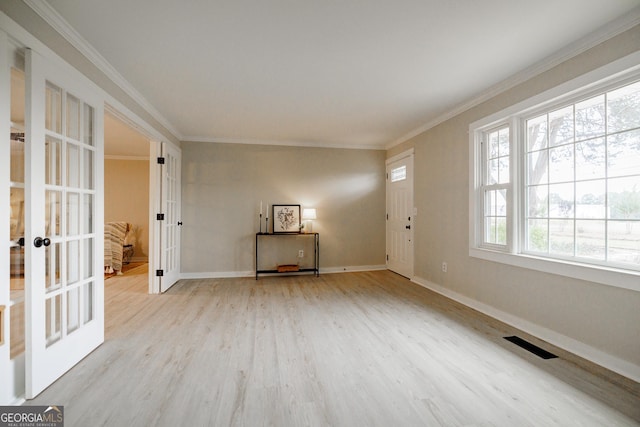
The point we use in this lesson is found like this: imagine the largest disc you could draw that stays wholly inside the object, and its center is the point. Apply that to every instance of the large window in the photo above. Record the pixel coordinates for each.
(560, 181)
(582, 184)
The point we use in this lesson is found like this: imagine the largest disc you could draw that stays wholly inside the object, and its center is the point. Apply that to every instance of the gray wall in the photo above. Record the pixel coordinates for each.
(602, 317)
(223, 184)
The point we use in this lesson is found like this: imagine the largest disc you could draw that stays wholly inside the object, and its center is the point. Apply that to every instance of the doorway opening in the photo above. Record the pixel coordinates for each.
(126, 198)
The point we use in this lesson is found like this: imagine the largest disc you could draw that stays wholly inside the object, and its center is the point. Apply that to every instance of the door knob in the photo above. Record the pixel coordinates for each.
(408, 227)
(179, 222)
(39, 241)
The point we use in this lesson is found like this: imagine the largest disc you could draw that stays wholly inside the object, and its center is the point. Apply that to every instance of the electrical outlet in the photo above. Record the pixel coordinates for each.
(444, 267)
(301, 253)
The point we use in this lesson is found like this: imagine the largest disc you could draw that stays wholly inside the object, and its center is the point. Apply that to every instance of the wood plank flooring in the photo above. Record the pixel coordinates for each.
(352, 349)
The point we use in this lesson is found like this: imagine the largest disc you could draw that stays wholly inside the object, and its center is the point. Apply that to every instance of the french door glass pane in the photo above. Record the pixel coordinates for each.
(73, 214)
(73, 310)
(17, 213)
(88, 303)
(73, 117)
(52, 213)
(53, 161)
(87, 214)
(53, 116)
(73, 165)
(88, 258)
(16, 317)
(87, 135)
(73, 261)
(17, 158)
(52, 267)
(53, 319)
(87, 182)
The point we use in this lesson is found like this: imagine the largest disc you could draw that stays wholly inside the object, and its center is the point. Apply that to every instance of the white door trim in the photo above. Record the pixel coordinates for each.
(399, 156)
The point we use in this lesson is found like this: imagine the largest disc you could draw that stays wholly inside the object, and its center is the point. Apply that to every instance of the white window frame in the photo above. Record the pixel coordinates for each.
(483, 186)
(623, 70)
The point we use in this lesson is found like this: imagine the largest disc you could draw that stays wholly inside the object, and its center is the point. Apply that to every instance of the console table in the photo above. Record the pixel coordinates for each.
(287, 239)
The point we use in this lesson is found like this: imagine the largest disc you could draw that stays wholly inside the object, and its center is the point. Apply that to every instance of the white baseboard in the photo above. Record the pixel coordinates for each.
(252, 273)
(599, 357)
(217, 274)
(353, 268)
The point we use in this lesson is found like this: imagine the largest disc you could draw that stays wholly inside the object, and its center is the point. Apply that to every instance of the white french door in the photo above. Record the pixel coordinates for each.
(170, 225)
(64, 296)
(400, 215)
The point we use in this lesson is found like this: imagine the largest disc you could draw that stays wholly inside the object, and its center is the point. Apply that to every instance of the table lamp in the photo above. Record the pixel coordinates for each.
(308, 214)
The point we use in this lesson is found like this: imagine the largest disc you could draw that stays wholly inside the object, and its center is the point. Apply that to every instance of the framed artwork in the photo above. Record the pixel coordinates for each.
(286, 218)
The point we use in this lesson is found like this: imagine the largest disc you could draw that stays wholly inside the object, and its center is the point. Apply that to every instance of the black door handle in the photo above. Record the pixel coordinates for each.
(408, 227)
(179, 222)
(39, 241)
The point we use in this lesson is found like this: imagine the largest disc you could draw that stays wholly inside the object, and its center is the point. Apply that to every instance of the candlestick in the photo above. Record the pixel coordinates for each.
(260, 222)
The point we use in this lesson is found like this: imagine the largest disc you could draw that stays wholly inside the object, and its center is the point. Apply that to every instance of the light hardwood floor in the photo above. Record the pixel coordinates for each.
(352, 349)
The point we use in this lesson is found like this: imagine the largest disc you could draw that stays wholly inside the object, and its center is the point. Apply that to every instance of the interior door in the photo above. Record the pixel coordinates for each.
(64, 221)
(400, 216)
(170, 225)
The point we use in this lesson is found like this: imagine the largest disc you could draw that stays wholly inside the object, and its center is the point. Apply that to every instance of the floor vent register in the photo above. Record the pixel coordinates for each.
(540, 352)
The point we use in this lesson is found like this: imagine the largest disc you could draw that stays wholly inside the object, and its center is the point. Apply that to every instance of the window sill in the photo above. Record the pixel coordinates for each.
(619, 278)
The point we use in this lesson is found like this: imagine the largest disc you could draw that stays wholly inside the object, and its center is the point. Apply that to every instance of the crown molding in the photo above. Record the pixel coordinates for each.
(60, 25)
(309, 144)
(599, 36)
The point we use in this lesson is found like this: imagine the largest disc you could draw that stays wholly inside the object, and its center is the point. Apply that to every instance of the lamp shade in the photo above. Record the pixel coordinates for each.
(309, 213)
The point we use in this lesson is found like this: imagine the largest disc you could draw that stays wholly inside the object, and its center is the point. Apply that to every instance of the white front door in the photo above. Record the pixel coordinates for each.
(64, 193)
(170, 225)
(400, 215)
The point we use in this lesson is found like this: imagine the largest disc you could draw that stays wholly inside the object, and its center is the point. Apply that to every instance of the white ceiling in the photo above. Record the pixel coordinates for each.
(353, 73)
